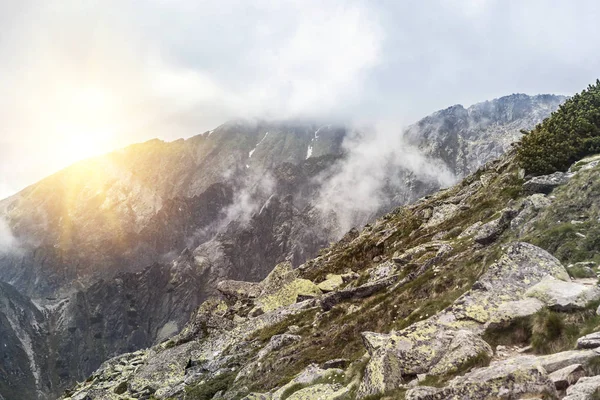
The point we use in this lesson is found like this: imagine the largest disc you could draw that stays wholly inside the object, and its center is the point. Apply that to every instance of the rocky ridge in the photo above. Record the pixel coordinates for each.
(120, 249)
(415, 306)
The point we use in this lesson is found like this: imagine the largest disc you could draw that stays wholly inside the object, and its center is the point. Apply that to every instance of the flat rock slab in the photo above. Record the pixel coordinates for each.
(590, 341)
(563, 296)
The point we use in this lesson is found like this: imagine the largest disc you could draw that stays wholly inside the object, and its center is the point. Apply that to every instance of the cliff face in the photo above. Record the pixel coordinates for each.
(120, 249)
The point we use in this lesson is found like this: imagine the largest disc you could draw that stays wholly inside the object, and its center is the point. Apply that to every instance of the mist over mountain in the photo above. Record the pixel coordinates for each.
(113, 253)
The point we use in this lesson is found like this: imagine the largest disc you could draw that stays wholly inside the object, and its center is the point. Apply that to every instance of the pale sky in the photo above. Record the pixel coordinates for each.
(82, 77)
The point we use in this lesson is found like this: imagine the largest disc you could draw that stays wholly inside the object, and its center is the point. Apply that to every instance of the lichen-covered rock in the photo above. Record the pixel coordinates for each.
(522, 266)
(441, 214)
(331, 283)
(546, 183)
(563, 296)
(322, 391)
(236, 290)
(288, 294)
(565, 377)
(585, 389)
(502, 380)
(309, 376)
(382, 271)
(471, 230)
(424, 347)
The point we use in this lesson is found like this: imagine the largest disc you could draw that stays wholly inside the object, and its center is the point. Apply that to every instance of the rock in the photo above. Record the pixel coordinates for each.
(321, 392)
(522, 266)
(585, 163)
(471, 230)
(81, 396)
(403, 258)
(502, 380)
(257, 396)
(289, 293)
(441, 214)
(489, 232)
(382, 271)
(331, 299)
(585, 389)
(331, 283)
(590, 341)
(277, 342)
(341, 363)
(554, 362)
(546, 183)
(307, 377)
(237, 290)
(565, 377)
(563, 296)
(424, 347)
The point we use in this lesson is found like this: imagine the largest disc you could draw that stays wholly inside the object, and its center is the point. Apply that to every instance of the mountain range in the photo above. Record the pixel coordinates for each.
(113, 254)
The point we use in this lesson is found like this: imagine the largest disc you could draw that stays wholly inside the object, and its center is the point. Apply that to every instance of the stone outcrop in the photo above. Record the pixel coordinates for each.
(546, 183)
(563, 296)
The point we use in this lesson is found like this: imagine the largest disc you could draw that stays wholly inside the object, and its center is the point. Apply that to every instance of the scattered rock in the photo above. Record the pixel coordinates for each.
(307, 377)
(382, 271)
(546, 183)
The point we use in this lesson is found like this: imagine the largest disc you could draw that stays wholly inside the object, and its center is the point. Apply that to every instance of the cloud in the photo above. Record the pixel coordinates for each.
(8, 242)
(377, 164)
(85, 77)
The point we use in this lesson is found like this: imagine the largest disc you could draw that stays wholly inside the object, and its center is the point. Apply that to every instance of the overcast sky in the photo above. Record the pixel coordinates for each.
(80, 77)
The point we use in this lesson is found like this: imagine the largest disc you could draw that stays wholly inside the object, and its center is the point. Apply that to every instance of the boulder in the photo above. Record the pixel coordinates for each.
(590, 341)
(237, 290)
(565, 377)
(403, 258)
(382, 271)
(471, 230)
(585, 389)
(278, 342)
(424, 347)
(309, 376)
(289, 293)
(522, 266)
(322, 391)
(546, 183)
(509, 379)
(489, 232)
(441, 214)
(336, 363)
(563, 296)
(331, 283)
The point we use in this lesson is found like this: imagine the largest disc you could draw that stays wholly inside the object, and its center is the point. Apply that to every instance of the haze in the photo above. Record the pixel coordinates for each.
(79, 78)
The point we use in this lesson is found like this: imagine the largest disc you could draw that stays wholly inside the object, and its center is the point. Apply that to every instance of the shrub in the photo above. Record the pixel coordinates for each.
(569, 134)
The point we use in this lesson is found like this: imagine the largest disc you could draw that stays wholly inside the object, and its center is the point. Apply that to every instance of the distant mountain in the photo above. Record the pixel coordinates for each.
(116, 251)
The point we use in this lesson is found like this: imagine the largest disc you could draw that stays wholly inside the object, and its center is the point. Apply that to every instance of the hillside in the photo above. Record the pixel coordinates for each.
(404, 308)
(116, 252)
(487, 289)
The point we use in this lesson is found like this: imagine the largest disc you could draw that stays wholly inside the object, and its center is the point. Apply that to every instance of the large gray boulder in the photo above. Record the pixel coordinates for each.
(424, 347)
(565, 377)
(546, 183)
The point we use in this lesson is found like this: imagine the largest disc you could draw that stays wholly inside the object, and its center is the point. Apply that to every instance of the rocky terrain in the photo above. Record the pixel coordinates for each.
(117, 251)
(464, 294)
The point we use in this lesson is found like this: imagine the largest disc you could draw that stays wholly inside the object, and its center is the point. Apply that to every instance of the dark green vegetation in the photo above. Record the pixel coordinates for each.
(569, 134)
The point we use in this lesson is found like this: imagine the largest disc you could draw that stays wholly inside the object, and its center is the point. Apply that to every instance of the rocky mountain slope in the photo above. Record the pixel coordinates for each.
(117, 251)
(455, 296)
